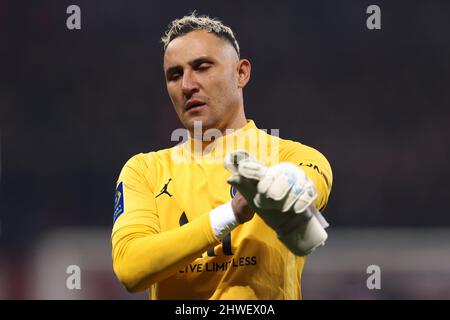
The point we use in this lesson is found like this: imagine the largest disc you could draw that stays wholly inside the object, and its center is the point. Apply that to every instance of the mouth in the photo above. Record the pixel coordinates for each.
(193, 105)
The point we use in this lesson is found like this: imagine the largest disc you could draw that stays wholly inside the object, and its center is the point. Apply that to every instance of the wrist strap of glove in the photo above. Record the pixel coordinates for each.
(223, 220)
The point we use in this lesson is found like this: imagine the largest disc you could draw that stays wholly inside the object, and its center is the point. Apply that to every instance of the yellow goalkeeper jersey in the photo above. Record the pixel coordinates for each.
(162, 239)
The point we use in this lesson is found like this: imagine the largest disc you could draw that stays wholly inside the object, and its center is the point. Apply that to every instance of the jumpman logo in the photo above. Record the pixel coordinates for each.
(164, 189)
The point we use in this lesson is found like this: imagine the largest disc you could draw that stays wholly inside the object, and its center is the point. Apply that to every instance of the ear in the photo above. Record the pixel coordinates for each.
(243, 71)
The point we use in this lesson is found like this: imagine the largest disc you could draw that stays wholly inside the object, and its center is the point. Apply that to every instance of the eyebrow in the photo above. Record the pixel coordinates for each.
(194, 62)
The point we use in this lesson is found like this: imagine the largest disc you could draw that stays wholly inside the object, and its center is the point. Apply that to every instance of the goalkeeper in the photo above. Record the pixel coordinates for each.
(235, 222)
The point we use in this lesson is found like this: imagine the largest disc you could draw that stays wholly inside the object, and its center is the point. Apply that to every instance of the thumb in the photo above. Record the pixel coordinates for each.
(238, 183)
(246, 187)
(235, 180)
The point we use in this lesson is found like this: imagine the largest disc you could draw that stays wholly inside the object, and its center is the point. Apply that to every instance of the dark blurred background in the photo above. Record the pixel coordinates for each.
(75, 105)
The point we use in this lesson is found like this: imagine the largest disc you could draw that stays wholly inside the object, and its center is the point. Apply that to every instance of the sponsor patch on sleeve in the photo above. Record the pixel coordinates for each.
(118, 202)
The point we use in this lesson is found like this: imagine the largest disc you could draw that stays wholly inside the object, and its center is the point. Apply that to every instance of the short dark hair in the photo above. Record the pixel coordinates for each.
(182, 26)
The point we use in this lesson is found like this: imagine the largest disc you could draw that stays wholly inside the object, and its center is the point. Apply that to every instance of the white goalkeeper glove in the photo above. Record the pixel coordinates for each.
(283, 196)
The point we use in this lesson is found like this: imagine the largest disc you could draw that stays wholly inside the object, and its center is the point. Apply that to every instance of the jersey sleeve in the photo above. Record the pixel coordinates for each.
(316, 167)
(142, 254)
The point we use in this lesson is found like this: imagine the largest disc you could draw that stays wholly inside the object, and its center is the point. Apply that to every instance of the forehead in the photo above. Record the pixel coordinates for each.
(194, 44)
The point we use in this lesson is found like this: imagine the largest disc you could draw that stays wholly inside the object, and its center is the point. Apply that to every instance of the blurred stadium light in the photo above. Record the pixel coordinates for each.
(88, 248)
(414, 263)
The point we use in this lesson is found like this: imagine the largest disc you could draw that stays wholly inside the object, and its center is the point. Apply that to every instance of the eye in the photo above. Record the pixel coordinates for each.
(203, 66)
(174, 76)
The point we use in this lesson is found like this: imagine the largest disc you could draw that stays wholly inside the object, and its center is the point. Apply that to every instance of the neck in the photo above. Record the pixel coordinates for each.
(236, 122)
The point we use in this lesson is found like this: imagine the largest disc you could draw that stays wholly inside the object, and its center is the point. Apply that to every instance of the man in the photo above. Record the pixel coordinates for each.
(180, 230)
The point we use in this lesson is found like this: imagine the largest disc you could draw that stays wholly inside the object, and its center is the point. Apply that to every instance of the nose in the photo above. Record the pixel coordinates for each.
(189, 84)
